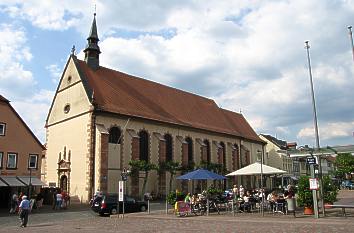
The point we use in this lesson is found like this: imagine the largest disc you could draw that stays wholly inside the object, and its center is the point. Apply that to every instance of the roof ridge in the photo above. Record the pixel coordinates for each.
(154, 82)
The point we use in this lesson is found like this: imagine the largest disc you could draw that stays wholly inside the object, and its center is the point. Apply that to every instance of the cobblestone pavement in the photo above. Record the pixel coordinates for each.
(83, 220)
(159, 222)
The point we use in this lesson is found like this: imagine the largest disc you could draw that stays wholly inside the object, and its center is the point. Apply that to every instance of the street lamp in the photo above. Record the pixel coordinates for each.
(307, 47)
(125, 173)
(30, 184)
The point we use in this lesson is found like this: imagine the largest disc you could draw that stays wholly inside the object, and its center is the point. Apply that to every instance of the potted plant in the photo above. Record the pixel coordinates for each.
(330, 191)
(304, 193)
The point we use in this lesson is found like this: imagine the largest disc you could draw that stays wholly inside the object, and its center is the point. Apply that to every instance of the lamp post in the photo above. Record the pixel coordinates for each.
(351, 39)
(314, 192)
(261, 186)
(125, 173)
(30, 184)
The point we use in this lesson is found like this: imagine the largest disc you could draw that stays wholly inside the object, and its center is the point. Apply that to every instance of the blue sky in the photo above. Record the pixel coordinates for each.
(248, 56)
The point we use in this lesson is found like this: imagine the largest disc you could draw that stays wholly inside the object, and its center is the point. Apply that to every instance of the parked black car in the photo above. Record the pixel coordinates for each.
(108, 204)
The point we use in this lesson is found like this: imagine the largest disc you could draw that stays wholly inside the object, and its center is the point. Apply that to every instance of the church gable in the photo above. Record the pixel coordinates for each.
(71, 98)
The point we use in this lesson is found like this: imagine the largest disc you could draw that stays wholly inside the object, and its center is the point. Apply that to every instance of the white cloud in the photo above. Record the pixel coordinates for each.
(14, 51)
(247, 55)
(329, 130)
(34, 110)
(55, 72)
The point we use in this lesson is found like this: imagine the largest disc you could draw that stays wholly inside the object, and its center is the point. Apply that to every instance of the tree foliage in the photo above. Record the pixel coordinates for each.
(170, 167)
(141, 165)
(344, 165)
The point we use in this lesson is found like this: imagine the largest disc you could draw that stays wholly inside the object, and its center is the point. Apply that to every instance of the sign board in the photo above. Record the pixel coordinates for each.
(121, 191)
(313, 183)
(311, 160)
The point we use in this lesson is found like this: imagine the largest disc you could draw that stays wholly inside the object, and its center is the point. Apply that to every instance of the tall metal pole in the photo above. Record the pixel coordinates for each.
(314, 192)
(262, 193)
(351, 39)
(30, 185)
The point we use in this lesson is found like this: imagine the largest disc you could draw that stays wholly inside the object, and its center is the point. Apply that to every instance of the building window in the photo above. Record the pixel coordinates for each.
(207, 145)
(190, 150)
(223, 149)
(1, 156)
(69, 80)
(144, 146)
(169, 147)
(2, 129)
(67, 108)
(32, 161)
(115, 135)
(11, 161)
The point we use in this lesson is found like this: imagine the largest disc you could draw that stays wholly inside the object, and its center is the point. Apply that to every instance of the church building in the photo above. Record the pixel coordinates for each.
(100, 119)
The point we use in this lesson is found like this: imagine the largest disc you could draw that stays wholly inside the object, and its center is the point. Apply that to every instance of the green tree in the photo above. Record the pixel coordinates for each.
(141, 165)
(330, 191)
(214, 167)
(170, 167)
(344, 165)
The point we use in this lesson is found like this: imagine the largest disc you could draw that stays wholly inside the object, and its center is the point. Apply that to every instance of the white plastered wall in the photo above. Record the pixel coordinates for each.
(70, 130)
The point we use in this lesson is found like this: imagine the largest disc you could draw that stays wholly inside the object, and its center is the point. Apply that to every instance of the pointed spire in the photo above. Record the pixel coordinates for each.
(92, 50)
(93, 31)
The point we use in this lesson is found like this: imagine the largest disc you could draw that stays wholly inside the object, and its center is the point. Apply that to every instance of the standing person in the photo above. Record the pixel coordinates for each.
(59, 200)
(235, 191)
(24, 209)
(14, 203)
(54, 199)
(242, 191)
(39, 200)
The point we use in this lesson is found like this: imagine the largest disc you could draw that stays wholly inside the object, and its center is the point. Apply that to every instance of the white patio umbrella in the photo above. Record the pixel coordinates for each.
(256, 169)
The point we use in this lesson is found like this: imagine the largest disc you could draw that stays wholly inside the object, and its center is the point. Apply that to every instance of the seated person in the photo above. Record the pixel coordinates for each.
(246, 203)
(187, 199)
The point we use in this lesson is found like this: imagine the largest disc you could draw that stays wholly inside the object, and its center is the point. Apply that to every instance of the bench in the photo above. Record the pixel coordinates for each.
(342, 206)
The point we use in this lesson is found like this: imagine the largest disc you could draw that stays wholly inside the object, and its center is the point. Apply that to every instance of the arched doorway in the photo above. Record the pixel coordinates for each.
(64, 183)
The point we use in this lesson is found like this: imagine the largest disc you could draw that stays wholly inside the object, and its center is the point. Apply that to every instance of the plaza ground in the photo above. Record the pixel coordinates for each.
(81, 219)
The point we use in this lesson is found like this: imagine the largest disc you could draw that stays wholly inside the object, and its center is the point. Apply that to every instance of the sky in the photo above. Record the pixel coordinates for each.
(247, 55)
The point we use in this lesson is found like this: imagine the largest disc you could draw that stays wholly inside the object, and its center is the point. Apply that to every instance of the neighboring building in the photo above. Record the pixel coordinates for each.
(277, 156)
(20, 153)
(100, 119)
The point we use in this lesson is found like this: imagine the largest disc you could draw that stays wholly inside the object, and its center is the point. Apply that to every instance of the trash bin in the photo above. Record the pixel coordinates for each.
(291, 206)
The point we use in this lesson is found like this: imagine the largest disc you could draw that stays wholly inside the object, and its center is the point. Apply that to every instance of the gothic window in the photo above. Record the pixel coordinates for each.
(223, 149)
(207, 145)
(169, 150)
(144, 146)
(236, 158)
(190, 149)
(114, 135)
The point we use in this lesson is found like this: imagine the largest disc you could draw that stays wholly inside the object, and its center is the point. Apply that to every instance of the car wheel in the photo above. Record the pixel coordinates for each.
(142, 208)
(114, 211)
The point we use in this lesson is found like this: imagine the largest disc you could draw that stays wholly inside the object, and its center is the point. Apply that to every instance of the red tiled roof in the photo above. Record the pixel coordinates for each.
(3, 99)
(125, 94)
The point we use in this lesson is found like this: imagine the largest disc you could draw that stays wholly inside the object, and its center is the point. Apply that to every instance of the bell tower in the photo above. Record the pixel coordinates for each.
(92, 50)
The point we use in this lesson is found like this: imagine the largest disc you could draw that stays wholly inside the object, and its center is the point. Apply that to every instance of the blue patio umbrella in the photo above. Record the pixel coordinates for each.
(201, 174)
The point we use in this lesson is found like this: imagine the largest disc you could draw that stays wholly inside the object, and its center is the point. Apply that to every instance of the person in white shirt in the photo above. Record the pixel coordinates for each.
(242, 191)
(59, 200)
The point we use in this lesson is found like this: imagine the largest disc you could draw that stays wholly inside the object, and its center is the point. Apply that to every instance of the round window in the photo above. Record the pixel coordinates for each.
(67, 108)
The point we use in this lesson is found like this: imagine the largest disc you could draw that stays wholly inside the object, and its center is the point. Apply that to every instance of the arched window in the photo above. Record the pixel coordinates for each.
(114, 135)
(144, 146)
(190, 150)
(223, 149)
(207, 145)
(169, 151)
(236, 157)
